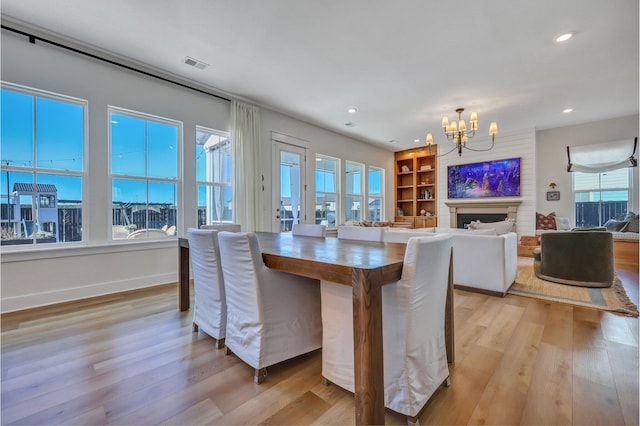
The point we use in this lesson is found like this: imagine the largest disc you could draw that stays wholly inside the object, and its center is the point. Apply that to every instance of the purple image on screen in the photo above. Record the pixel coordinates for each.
(500, 178)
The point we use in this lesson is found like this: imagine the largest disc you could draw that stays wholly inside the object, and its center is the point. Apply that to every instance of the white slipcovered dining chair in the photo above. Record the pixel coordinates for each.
(209, 308)
(309, 230)
(413, 317)
(272, 316)
(362, 233)
(229, 227)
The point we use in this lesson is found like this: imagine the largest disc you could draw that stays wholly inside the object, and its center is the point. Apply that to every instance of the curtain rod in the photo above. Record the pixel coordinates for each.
(33, 38)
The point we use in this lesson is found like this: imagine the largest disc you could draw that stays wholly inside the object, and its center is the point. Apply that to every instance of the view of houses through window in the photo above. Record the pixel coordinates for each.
(42, 170)
(144, 174)
(326, 190)
(353, 191)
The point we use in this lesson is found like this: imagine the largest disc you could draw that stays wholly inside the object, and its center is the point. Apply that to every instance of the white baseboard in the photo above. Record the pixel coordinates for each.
(36, 300)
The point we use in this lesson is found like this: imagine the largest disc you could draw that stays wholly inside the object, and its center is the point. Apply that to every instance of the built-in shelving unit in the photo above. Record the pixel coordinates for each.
(416, 187)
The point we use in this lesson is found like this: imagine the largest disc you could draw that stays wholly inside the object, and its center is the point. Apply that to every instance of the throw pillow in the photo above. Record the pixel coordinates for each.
(613, 225)
(546, 222)
(563, 223)
(632, 224)
(502, 227)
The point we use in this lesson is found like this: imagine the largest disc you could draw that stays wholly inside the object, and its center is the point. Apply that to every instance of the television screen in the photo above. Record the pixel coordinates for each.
(500, 178)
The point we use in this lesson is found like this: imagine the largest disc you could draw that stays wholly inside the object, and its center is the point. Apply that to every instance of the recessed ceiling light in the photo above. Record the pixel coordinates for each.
(350, 124)
(352, 110)
(416, 140)
(564, 37)
(566, 110)
(393, 141)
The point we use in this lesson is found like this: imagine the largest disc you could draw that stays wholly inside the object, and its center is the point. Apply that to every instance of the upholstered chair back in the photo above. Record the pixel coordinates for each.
(229, 227)
(415, 359)
(272, 316)
(209, 310)
(362, 233)
(309, 230)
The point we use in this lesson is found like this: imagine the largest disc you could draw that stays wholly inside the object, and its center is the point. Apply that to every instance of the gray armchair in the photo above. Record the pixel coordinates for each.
(576, 258)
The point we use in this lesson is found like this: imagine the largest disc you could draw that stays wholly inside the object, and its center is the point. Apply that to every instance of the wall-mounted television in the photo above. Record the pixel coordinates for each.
(499, 178)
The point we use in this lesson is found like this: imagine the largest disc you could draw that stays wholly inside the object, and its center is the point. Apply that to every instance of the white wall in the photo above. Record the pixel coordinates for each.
(551, 149)
(507, 145)
(51, 275)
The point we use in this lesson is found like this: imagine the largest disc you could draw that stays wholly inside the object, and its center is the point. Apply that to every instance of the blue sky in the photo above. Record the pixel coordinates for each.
(57, 139)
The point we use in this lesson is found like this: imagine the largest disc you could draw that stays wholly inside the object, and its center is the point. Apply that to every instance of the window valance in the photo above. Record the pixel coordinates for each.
(602, 157)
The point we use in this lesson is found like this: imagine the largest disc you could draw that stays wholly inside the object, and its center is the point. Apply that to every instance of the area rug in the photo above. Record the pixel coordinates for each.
(612, 299)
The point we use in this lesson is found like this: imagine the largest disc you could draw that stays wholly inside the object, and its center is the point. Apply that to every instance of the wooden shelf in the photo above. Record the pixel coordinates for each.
(411, 185)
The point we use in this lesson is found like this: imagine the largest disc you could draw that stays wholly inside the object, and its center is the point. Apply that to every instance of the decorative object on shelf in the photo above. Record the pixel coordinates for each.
(423, 212)
(499, 178)
(553, 195)
(405, 169)
(399, 212)
(459, 134)
(425, 168)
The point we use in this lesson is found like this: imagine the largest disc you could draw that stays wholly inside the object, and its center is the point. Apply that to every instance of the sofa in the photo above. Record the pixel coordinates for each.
(482, 261)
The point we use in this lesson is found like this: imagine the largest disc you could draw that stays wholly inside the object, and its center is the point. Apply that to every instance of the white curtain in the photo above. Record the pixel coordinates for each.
(602, 157)
(245, 134)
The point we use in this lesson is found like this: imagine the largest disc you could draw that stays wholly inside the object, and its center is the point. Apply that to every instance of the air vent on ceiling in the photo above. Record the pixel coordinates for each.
(195, 63)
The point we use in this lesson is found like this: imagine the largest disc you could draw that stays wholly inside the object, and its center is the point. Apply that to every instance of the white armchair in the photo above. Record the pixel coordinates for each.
(415, 359)
(309, 230)
(485, 262)
(209, 308)
(272, 316)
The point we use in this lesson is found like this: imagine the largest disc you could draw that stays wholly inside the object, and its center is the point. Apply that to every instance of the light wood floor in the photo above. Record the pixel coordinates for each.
(133, 359)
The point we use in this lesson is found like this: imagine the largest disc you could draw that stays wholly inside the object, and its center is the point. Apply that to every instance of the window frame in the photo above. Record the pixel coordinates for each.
(116, 176)
(379, 196)
(336, 194)
(221, 185)
(601, 217)
(361, 195)
(35, 170)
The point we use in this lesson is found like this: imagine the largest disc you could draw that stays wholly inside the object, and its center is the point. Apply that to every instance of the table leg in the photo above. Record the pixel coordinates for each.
(367, 336)
(183, 274)
(448, 318)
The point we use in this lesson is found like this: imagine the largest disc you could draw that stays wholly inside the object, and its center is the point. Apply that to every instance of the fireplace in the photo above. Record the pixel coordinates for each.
(463, 212)
(464, 219)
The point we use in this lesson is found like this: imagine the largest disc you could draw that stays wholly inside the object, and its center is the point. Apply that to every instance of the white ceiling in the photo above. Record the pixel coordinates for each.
(403, 64)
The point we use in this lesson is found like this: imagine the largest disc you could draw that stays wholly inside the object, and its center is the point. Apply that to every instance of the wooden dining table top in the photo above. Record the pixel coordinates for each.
(330, 259)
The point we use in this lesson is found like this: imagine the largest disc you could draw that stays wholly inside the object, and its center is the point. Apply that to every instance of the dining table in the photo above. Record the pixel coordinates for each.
(365, 266)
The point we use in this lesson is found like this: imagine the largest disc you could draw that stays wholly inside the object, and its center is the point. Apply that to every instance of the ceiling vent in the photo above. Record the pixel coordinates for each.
(195, 63)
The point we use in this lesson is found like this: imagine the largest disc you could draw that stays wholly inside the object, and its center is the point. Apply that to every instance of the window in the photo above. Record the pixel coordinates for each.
(326, 190)
(144, 174)
(214, 162)
(353, 191)
(375, 184)
(600, 196)
(43, 137)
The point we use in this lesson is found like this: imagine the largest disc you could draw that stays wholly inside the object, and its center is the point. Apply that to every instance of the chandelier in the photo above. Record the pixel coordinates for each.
(459, 134)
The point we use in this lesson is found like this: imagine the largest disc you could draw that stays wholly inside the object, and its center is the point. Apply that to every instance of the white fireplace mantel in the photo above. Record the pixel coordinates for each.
(509, 207)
